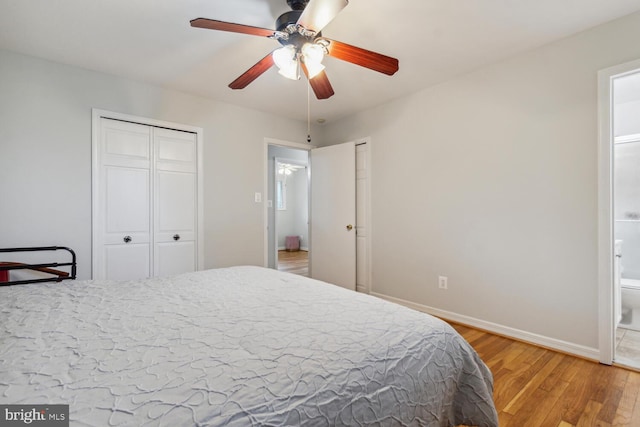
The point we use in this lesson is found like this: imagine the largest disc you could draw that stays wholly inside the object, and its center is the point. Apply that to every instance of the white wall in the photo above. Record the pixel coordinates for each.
(491, 179)
(45, 157)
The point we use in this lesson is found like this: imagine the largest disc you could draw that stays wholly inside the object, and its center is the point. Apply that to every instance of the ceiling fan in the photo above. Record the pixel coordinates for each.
(288, 169)
(303, 47)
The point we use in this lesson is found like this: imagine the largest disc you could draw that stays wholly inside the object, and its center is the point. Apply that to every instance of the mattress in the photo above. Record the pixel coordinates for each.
(240, 346)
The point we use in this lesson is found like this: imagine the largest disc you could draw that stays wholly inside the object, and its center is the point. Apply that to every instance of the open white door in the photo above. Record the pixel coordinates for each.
(333, 214)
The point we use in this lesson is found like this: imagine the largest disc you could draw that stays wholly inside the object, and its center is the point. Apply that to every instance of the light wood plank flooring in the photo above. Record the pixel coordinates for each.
(538, 387)
(628, 347)
(296, 262)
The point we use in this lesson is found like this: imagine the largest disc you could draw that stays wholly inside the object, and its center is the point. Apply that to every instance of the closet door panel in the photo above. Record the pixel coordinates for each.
(127, 261)
(175, 150)
(175, 203)
(125, 224)
(126, 205)
(175, 222)
(126, 144)
(175, 257)
(123, 235)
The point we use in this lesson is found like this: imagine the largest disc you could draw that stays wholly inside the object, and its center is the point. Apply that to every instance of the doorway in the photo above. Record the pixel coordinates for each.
(286, 207)
(626, 217)
(362, 202)
(619, 214)
(290, 206)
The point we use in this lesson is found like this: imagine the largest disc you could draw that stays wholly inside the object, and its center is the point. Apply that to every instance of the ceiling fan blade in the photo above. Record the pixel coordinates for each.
(320, 83)
(212, 24)
(364, 58)
(253, 73)
(318, 13)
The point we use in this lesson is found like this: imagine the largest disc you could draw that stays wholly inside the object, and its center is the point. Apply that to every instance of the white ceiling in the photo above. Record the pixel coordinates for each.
(152, 41)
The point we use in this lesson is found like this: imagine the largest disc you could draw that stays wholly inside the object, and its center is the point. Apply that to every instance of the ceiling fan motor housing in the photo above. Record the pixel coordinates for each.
(297, 4)
(295, 38)
(287, 19)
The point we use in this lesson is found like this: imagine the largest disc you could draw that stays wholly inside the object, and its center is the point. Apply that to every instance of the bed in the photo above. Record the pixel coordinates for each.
(240, 346)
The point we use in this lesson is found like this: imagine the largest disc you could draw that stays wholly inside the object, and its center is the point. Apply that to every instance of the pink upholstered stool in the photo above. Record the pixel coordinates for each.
(292, 243)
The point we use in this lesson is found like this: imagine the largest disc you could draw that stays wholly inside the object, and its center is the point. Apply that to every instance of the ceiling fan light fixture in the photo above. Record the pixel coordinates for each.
(286, 60)
(313, 55)
(290, 71)
(313, 68)
(313, 52)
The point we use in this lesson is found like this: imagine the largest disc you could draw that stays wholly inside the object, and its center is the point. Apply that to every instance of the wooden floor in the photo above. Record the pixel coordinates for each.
(538, 387)
(296, 262)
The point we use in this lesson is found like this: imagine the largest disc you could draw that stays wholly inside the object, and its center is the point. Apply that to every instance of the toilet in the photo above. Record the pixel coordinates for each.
(627, 294)
(630, 307)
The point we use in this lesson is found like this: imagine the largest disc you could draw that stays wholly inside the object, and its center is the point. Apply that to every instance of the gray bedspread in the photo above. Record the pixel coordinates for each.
(237, 346)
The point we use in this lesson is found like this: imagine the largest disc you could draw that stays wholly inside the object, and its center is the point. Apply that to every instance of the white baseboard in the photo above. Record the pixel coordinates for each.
(541, 340)
(302, 248)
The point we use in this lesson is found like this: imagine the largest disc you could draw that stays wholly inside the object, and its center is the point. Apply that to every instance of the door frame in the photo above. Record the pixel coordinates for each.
(606, 321)
(96, 115)
(305, 146)
(368, 256)
(265, 188)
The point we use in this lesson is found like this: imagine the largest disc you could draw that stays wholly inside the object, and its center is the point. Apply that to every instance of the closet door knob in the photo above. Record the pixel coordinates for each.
(176, 237)
(127, 239)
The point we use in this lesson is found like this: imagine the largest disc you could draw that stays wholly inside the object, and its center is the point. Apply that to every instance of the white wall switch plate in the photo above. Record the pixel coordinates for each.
(442, 282)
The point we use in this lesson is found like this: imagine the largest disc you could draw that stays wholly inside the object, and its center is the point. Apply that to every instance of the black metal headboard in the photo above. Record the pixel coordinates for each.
(45, 267)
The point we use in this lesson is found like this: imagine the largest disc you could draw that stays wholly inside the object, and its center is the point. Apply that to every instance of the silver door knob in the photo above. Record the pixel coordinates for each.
(127, 239)
(176, 237)
(349, 227)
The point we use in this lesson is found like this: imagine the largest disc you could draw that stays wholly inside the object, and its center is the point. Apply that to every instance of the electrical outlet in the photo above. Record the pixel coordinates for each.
(442, 282)
(258, 197)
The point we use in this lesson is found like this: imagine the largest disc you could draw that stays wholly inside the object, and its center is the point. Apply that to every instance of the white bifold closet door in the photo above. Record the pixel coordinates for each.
(147, 202)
